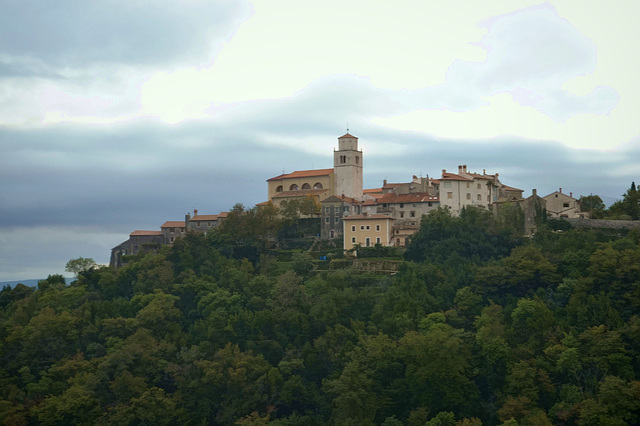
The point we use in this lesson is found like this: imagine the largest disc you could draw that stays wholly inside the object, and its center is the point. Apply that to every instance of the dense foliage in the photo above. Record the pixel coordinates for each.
(478, 326)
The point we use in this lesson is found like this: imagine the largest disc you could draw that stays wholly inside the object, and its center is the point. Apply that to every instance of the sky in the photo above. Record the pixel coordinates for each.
(120, 115)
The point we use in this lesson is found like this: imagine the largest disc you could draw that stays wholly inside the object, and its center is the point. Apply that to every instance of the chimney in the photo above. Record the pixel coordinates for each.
(464, 168)
(571, 194)
(187, 218)
(459, 169)
(560, 190)
(195, 212)
(444, 171)
(484, 171)
(384, 182)
(534, 192)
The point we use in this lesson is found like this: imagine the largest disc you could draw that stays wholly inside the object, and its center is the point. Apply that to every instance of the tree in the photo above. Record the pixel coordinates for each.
(80, 265)
(591, 202)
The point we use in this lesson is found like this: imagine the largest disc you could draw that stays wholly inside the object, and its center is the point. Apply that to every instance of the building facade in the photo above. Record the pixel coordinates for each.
(367, 230)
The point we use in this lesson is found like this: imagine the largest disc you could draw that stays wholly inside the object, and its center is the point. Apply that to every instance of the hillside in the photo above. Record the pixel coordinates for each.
(477, 326)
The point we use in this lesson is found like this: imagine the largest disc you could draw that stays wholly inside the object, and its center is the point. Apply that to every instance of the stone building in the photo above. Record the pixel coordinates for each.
(138, 242)
(333, 210)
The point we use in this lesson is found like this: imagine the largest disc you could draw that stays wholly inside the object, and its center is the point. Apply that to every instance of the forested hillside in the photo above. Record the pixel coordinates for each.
(478, 326)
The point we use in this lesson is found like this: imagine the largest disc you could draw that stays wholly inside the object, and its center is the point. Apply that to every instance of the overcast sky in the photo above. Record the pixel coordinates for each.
(120, 115)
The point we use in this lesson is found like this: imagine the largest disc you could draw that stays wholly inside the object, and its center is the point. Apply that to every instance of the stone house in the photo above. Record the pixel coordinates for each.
(562, 205)
(138, 242)
(367, 230)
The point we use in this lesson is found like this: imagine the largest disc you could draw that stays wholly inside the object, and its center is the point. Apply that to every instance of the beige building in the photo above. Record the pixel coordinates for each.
(560, 204)
(367, 230)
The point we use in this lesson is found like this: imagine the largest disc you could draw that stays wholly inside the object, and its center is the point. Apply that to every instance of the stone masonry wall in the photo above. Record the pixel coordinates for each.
(603, 223)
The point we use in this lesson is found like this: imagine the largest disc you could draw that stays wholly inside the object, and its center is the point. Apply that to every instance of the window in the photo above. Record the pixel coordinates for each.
(317, 185)
(357, 159)
(343, 159)
(346, 208)
(198, 224)
(401, 214)
(368, 227)
(479, 186)
(209, 224)
(413, 214)
(279, 188)
(565, 205)
(353, 240)
(468, 185)
(332, 234)
(306, 186)
(293, 187)
(468, 196)
(367, 242)
(479, 197)
(414, 205)
(447, 185)
(397, 241)
(172, 230)
(430, 204)
(362, 227)
(171, 239)
(353, 228)
(326, 219)
(378, 240)
(336, 219)
(449, 195)
(401, 205)
(377, 227)
(337, 209)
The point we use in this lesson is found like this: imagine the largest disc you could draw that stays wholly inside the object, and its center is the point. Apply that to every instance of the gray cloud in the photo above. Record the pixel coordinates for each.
(78, 33)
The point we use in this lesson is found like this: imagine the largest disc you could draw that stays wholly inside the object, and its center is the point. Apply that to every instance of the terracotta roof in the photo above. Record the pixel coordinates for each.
(347, 135)
(205, 217)
(510, 188)
(368, 216)
(264, 203)
(173, 224)
(479, 176)
(421, 197)
(300, 193)
(139, 233)
(222, 215)
(393, 185)
(369, 202)
(302, 173)
(372, 191)
(453, 176)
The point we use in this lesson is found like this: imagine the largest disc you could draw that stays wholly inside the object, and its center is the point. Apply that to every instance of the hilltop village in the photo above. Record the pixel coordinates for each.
(387, 215)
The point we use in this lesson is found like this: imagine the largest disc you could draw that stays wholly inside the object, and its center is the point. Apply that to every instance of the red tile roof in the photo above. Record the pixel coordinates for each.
(303, 173)
(222, 215)
(392, 185)
(347, 135)
(421, 197)
(453, 176)
(510, 188)
(264, 203)
(140, 233)
(368, 216)
(173, 224)
(372, 191)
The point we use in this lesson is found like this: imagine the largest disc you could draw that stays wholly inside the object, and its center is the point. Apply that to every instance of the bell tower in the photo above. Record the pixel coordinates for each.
(347, 167)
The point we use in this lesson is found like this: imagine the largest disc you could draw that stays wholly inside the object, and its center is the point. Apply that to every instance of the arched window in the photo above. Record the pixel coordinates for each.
(293, 187)
(306, 186)
(317, 185)
(279, 188)
(357, 159)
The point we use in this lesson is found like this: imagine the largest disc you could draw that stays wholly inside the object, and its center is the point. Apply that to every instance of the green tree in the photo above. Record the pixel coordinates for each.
(80, 265)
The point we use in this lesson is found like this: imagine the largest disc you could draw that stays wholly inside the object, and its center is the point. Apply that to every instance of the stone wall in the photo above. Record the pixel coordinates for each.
(602, 223)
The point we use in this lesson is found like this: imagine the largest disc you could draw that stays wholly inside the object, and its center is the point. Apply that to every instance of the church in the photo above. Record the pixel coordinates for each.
(344, 179)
